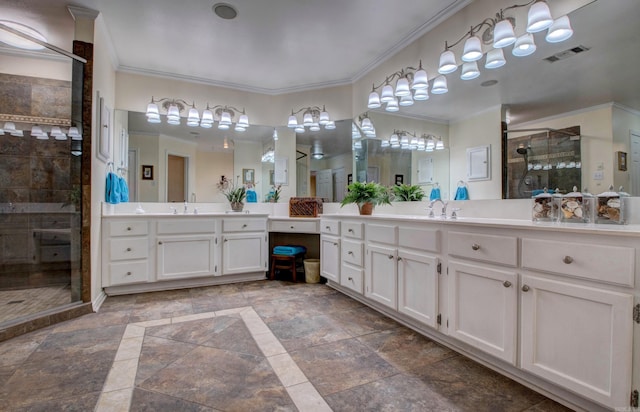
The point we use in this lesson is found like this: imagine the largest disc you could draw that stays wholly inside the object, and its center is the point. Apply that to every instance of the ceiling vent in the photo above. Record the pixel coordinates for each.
(566, 54)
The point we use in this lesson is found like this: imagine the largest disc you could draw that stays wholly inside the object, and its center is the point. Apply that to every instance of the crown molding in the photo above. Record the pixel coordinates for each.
(414, 117)
(627, 109)
(565, 114)
(35, 54)
(81, 12)
(478, 113)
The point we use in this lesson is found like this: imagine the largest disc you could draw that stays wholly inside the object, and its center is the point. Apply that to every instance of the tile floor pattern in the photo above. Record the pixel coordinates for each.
(258, 346)
(15, 304)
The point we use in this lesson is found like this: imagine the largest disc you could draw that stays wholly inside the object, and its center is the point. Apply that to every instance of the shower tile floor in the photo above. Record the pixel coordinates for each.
(266, 346)
(15, 304)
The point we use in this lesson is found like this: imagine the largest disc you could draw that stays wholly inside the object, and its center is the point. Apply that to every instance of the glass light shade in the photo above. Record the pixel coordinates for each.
(331, 125)
(406, 100)
(537, 166)
(366, 124)
(152, 110)
(439, 85)
(524, 46)
(420, 80)
(153, 120)
(193, 119)
(387, 94)
(9, 127)
(324, 118)
(225, 119)
(547, 166)
(370, 133)
(173, 114)
(395, 145)
(472, 50)
(422, 144)
(421, 94)
(374, 101)
(307, 119)
(392, 106)
(561, 165)
(315, 127)
(503, 34)
(394, 139)
(447, 62)
(560, 30)
(578, 165)
(207, 119)
(60, 136)
(439, 145)
(293, 122)
(275, 134)
(239, 128)
(20, 42)
(571, 165)
(42, 136)
(539, 17)
(56, 131)
(385, 143)
(405, 146)
(299, 129)
(243, 121)
(36, 130)
(223, 126)
(17, 133)
(430, 145)
(402, 87)
(404, 140)
(470, 71)
(73, 132)
(495, 59)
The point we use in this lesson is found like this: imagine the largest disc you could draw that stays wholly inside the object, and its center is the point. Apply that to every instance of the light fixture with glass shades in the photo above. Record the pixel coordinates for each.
(313, 117)
(411, 84)
(42, 132)
(366, 126)
(225, 115)
(405, 140)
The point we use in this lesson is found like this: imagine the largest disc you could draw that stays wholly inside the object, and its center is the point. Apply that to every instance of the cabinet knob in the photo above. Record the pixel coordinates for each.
(350, 230)
(399, 258)
(506, 284)
(328, 227)
(128, 228)
(525, 288)
(475, 246)
(292, 227)
(245, 225)
(159, 243)
(128, 249)
(55, 254)
(567, 259)
(128, 273)
(390, 256)
(349, 278)
(350, 253)
(335, 244)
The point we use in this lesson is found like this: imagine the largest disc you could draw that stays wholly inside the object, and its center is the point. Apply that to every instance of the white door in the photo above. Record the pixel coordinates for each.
(483, 307)
(132, 174)
(243, 253)
(185, 256)
(381, 278)
(634, 164)
(418, 286)
(324, 184)
(578, 337)
(339, 185)
(330, 258)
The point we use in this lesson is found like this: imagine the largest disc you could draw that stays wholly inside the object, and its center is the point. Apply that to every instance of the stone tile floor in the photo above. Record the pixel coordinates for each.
(15, 304)
(258, 346)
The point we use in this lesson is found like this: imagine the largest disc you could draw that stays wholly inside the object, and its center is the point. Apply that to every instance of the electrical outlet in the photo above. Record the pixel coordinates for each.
(598, 175)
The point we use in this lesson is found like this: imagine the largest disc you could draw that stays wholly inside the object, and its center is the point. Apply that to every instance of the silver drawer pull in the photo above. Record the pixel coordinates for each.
(159, 243)
(292, 227)
(225, 240)
(350, 230)
(390, 256)
(328, 227)
(335, 244)
(128, 249)
(567, 259)
(506, 284)
(349, 278)
(128, 228)
(245, 225)
(350, 253)
(399, 258)
(128, 273)
(525, 288)
(475, 246)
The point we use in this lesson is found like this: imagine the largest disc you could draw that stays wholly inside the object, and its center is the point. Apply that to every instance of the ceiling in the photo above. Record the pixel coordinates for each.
(282, 46)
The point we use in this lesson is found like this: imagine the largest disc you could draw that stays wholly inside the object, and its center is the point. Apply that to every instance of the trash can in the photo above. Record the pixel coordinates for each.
(312, 270)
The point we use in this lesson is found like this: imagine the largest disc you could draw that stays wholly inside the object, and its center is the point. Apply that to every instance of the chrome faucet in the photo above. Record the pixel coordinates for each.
(185, 207)
(443, 214)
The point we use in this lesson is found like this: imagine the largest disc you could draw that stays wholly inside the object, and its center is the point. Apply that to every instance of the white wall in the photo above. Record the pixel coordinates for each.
(58, 68)
(209, 167)
(148, 147)
(248, 155)
(178, 147)
(624, 121)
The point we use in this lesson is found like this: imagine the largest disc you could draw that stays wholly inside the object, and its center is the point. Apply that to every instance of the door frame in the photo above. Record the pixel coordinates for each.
(187, 166)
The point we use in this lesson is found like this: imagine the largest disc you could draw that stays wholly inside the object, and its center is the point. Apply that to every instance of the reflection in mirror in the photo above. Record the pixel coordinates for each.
(202, 155)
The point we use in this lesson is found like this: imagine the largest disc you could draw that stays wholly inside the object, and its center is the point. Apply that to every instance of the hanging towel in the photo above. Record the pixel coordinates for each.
(124, 189)
(435, 194)
(252, 197)
(112, 189)
(462, 193)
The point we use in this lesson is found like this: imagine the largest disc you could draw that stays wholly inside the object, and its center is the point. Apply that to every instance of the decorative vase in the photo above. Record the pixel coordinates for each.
(365, 208)
(237, 206)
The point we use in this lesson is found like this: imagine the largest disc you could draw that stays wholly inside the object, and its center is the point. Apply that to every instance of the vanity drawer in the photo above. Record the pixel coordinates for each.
(192, 225)
(127, 272)
(382, 233)
(293, 226)
(133, 248)
(352, 278)
(420, 238)
(353, 230)
(330, 227)
(131, 228)
(244, 225)
(502, 250)
(352, 252)
(595, 261)
(55, 253)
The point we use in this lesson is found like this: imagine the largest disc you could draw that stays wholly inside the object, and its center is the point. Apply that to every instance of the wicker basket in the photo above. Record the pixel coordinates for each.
(305, 206)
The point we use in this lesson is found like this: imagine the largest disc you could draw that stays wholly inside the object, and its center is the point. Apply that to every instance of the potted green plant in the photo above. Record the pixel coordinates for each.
(366, 196)
(235, 194)
(408, 193)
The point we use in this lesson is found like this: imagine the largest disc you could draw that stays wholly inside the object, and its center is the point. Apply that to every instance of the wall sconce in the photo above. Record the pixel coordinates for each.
(223, 114)
(411, 84)
(402, 139)
(366, 125)
(313, 117)
(42, 132)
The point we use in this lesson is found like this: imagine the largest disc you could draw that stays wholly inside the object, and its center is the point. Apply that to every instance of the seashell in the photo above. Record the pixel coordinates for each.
(568, 214)
(578, 212)
(614, 202)
(572, 204)
(538, 207)
(614, 213)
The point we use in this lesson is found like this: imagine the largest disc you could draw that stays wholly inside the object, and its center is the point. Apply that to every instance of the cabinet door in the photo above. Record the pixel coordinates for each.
(244, 253)
(382, 275)
(418, 286)
(483, 308)
(330, 258)
(180, 257)
(578, 337)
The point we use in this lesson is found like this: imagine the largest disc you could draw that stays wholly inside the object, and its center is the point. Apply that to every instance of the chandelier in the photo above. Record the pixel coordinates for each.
(402, 139)
(224, 115)
(412, 83)
(312, 117)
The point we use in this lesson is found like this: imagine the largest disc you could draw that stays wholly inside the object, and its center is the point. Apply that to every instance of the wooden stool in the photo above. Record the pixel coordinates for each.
(286, 262)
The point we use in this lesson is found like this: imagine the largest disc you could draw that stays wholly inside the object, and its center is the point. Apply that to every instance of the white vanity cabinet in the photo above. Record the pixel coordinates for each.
(483, 297)
(244, 245)
(125, 252)
(352, 255)
(330, 249)
(186, 248)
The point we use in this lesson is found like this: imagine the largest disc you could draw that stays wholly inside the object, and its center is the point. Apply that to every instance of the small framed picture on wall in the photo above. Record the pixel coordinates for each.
(622, 161)
(399, 179)
(147, 172)
(349, 178)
